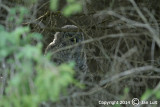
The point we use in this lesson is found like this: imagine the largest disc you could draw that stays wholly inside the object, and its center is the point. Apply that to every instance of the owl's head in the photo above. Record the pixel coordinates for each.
(69, 38)
(62, 39)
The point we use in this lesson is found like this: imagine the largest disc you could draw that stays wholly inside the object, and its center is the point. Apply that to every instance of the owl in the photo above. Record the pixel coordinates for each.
(75, 53)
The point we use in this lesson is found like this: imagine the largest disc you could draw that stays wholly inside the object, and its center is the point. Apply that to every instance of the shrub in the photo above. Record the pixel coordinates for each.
(28, 76)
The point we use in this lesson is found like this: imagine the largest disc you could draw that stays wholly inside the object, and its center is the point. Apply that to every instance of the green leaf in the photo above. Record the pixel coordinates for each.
(65, 69)
(3, 53)
(70, 1)
(20, 30)
(72, 64)
(126, 90)
(117, 105)
(53, 5)
(72, 9)
(157, 94)
(22, 11)
(147, 94)
(29, 52)
(36, 36)
(1, 28)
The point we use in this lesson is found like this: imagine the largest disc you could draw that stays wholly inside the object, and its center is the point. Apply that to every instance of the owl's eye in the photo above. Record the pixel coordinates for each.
(74, 40)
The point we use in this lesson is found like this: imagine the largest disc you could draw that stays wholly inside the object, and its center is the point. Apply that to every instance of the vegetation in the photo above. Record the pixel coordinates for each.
(122, 45)
(29, 78)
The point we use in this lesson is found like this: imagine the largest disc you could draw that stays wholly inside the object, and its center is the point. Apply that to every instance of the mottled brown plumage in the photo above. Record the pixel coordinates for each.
(76, 53)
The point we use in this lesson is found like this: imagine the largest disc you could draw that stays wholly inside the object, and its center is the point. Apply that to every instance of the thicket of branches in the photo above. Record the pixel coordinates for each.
(122, 43)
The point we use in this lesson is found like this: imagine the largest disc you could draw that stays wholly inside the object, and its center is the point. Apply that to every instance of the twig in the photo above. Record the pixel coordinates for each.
(129, 72)
(98, 39)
